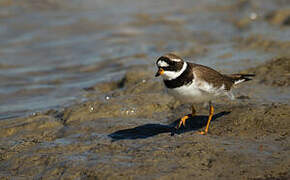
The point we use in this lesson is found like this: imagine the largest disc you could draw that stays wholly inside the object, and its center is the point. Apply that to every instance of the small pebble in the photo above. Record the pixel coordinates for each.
(91, 109)
(253, 16)
(107, 97)
(129, 111)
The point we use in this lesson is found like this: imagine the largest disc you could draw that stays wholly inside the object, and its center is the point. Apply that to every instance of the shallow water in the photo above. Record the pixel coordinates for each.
(50, 51)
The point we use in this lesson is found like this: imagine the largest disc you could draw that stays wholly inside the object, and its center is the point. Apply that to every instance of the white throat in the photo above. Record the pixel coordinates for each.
(169, 75)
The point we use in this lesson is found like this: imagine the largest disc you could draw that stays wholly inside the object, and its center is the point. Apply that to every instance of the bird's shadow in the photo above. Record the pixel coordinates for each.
(148, 130)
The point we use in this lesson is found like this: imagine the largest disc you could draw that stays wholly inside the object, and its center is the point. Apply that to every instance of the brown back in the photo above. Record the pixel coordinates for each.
(212, 76)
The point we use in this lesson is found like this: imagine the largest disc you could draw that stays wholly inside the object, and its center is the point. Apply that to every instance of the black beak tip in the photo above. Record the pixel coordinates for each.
(157, 74)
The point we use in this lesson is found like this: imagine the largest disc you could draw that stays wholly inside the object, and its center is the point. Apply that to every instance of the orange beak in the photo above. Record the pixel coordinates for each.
(159, 72)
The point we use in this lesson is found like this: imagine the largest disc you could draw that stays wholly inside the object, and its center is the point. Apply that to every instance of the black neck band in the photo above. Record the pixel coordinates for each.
(185, 78)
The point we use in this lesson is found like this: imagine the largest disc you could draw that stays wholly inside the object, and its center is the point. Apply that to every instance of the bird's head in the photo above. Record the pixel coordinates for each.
(169, 66)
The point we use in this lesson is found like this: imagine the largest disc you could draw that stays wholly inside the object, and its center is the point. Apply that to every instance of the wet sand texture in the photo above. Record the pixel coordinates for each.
(125, 127)
(131, 135)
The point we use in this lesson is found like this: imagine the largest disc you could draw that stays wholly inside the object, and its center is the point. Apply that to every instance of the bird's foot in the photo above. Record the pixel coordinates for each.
(183, 121)
(202, 132)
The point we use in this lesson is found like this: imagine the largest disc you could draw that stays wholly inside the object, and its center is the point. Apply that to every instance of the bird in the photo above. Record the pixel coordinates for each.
(195, 83)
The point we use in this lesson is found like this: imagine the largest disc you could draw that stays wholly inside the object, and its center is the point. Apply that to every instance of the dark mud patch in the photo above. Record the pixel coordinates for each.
(279, 17)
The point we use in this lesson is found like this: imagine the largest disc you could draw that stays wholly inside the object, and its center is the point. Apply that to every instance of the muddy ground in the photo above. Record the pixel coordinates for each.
(126, 127)
(127, 132)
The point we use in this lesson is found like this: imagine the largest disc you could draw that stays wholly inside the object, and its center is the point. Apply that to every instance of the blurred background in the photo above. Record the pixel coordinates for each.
(50, 50)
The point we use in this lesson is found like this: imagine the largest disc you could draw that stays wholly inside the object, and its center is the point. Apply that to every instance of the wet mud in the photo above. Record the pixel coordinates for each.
(122, 123)
(128, 131)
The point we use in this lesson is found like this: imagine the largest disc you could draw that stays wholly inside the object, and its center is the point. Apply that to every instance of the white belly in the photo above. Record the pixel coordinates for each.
(188, 95)
(197, 92)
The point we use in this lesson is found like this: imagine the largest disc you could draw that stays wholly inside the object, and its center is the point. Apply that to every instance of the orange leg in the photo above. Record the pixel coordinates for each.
(184, 118)
(211, 111)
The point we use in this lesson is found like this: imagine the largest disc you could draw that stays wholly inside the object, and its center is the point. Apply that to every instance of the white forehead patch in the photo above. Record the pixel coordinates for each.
(176, 60)
(162, 64)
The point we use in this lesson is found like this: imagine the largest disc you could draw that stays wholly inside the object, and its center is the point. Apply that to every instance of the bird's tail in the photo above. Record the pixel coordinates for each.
(239, 78)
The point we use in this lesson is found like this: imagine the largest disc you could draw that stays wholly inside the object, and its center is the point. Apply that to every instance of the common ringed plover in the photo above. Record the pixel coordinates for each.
(195, 83)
